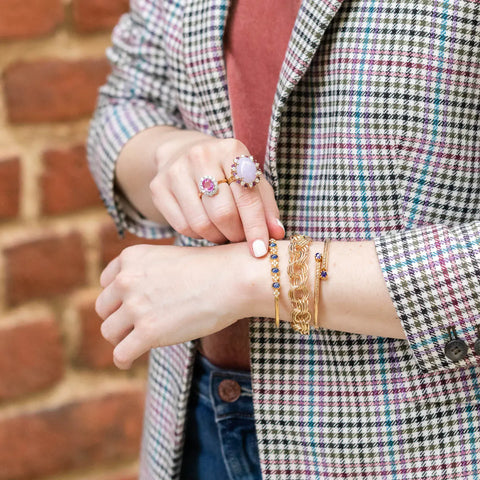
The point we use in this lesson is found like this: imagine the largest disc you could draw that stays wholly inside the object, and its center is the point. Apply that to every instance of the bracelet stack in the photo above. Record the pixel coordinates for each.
(299, 249)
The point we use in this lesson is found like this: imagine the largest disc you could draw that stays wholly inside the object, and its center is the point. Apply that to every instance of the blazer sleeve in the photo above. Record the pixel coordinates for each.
(432, 273)
(137, 95)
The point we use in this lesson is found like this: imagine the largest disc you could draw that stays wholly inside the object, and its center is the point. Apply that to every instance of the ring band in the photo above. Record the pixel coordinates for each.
(244, 171)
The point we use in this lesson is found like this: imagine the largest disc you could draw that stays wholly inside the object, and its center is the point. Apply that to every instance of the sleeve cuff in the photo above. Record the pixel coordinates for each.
(432, 274)
(110, 130)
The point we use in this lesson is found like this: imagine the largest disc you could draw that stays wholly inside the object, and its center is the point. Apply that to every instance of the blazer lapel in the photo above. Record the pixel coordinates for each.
(313, 18)
(203, 28)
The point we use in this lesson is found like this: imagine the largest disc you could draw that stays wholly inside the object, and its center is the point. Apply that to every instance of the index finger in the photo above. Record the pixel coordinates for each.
(243, 177)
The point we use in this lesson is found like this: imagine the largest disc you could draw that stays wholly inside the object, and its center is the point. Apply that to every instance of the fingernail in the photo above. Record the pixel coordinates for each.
(280, 224)
(259, 248)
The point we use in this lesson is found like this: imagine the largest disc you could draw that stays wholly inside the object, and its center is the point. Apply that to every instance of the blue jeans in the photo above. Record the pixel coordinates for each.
(220, 438)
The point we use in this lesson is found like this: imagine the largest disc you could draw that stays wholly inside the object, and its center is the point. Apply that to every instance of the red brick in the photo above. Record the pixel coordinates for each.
(31, 359)
(29, 18)
(93, 15)
(111, 245)
(9, 187)
(44, 267)
(53, 90)
(115, 476)
(94, 351)
(67, 184)
(82, 434)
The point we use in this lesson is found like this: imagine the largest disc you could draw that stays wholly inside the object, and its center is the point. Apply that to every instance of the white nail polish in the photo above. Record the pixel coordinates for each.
(259, 248)
(280, 223)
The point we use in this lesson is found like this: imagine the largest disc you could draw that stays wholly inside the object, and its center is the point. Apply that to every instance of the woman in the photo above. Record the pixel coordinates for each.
(373, 142)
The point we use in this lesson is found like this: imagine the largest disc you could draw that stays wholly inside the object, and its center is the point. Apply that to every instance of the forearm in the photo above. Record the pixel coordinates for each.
(354, 298)
(136, 167)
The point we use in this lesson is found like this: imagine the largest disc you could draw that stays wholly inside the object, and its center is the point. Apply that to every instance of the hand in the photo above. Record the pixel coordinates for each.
(234, 214)
(163, 295)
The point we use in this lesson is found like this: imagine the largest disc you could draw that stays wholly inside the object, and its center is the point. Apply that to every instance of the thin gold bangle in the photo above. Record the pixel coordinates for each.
(321, 261)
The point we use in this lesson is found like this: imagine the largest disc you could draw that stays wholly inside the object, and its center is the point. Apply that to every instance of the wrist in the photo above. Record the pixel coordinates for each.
(254, 281)
(259, 300)
(250, 281)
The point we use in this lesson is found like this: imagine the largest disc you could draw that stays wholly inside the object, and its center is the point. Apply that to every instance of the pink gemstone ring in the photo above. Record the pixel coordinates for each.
(245, 171)
(208, 185)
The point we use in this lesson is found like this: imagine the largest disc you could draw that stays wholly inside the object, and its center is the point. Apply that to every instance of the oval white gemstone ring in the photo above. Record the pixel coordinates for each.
(245, 171)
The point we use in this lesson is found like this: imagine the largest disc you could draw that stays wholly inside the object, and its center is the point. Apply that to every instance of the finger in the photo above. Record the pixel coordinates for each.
(110, 272)
(108, 301)
(117, 326)
(222, 209)
(186, 194)
(252, 213)
(224, 213)
(275, 226)
(168, 206)
(129, 349)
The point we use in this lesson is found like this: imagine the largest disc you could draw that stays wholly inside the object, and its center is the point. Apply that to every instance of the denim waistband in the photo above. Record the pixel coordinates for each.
(206, 382)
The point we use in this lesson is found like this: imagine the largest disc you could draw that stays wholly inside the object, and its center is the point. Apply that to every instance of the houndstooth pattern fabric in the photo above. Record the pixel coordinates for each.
(374, 134)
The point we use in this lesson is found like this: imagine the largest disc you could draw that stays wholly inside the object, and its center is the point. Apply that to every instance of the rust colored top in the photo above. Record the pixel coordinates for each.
(255, 41)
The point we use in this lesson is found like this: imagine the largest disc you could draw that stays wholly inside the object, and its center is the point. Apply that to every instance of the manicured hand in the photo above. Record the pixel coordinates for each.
(234, 214)
(163, 295)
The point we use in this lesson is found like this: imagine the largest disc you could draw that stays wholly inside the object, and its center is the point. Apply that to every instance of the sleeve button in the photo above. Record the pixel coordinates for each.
(456, 349)
(477, 346)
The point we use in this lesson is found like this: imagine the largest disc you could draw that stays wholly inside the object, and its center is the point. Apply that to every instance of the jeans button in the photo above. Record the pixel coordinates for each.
(229, 390)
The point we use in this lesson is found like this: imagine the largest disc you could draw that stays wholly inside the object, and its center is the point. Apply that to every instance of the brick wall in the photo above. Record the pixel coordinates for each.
(65, 411)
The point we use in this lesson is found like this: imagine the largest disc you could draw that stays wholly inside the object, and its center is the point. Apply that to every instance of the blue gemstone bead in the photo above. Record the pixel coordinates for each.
(318, 256)
(275, 270)
(276, 285)
(273, 256)
(273, 244)
(324, 274)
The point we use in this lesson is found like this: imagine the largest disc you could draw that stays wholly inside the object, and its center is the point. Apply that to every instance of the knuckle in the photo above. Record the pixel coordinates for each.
(180, 226)
(245, 200)
(98, 307)
(121, 358)
(238, 236)
(161, 154)
(154, 185)
(224, 215)
(201, 225)
(147, 326)
(198, 152)
(127, 253)
(234, 146)
(105, 331)
(122, 282)
(132, 307)
(175, 170)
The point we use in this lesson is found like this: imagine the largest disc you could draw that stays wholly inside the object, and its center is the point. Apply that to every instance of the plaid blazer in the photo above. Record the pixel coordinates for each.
(374, 134)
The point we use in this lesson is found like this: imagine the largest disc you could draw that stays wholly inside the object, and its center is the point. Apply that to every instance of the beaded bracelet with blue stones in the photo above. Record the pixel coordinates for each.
(275, 270)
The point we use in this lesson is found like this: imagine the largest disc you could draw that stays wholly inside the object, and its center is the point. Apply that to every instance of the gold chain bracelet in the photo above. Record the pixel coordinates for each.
(298, 249)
